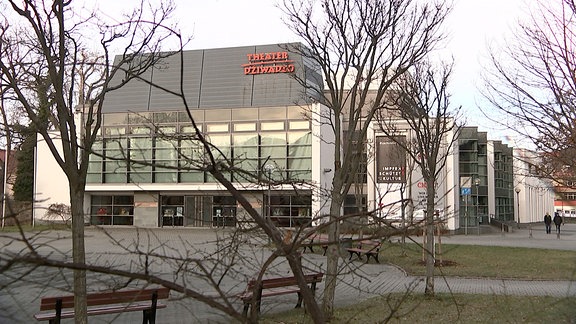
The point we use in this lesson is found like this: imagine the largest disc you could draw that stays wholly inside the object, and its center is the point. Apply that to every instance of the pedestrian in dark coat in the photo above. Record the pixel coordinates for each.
(548, 222)
(557, 221)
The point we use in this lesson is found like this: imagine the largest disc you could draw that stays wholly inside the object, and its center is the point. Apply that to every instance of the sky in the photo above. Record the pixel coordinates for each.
(472, 27)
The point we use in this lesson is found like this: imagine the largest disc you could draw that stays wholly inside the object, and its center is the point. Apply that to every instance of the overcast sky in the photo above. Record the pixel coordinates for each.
(472, 26)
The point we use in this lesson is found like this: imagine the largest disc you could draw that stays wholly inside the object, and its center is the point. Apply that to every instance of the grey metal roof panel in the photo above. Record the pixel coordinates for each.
(167, 76)
(133, 96)
(213, 78)
(223, 82)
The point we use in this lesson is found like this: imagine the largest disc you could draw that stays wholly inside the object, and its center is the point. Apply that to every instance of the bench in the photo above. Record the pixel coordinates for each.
(316, 239)
(112, 302)
(369, 248)
(274, 287)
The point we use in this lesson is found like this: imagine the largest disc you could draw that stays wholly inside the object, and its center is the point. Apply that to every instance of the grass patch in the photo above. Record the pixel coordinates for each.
(36, 228)
(445, 308)
(486, 261)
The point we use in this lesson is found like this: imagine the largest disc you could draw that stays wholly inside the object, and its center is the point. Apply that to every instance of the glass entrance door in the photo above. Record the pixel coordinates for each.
(198, 211)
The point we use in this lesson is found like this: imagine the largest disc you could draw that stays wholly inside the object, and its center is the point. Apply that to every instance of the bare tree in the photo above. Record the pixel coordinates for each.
(7, 152)
(209, 158)
(45, 46)
(533, 84)
(419, 107)
(361, 47)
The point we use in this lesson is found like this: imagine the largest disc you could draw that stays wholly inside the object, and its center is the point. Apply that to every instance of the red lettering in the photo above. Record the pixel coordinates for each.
(274, 62)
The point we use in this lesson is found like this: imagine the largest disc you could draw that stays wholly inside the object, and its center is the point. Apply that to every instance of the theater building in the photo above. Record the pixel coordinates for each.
(258, 107)
(245, 101)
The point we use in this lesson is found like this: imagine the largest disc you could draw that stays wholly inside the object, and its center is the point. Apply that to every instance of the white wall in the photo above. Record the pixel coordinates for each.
(389, 195)
(536, 195)
(50, 182)
(322, 159)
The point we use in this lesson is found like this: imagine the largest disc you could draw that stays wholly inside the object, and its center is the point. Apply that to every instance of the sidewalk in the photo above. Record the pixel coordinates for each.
(387, 279)
(520, 237)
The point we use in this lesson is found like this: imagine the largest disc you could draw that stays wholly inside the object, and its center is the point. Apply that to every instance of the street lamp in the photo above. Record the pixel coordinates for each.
(477, 183)
(529, 204)
(518, 203)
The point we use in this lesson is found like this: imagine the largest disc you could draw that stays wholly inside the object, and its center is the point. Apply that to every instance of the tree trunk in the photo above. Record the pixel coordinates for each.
(332, 257)
(78, 254)
(308, 297)
(430, 253)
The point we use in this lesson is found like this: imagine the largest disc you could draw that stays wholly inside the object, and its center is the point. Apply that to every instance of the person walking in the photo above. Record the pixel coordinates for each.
(548, 222)
(557, 221)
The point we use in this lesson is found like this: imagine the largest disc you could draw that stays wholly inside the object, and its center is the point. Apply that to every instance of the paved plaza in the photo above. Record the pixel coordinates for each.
(21, 289)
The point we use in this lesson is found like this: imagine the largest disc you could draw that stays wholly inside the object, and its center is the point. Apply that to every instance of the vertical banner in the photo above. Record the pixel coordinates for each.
(390, 160)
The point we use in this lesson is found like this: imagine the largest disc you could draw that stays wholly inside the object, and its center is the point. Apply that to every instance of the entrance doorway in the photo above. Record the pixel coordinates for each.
(198, 211)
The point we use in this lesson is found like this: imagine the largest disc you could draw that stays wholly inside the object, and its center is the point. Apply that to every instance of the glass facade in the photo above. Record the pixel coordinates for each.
(503, 181)
(163, 148)
(473, 164)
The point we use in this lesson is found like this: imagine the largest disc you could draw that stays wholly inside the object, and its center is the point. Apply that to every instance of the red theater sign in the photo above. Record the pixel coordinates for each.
(263, 63)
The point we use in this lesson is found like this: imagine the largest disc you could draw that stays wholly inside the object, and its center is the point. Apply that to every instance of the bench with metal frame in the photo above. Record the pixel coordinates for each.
(316, 240)
(111, 302)
(276, 286)
(369, 248)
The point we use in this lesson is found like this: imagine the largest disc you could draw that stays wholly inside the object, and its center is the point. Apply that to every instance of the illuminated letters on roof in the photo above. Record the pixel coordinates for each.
(263, 63)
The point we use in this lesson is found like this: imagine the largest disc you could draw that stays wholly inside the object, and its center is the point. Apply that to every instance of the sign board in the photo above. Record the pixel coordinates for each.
(264, 63)
(390, 160)
(465, 186)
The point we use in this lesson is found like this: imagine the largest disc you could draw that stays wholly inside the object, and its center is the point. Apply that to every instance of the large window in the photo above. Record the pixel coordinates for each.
(172, 211)
(169, 153)
(223, 211)
(115, 168)
(190, 159)
(300, 155)
(95, 164)
(289, 210)
(355, 204)
(141, 157)
(112, 210)
(245, 153)
(166, 161)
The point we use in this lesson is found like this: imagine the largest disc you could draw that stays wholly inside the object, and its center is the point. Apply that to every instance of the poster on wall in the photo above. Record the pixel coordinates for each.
(390, 160)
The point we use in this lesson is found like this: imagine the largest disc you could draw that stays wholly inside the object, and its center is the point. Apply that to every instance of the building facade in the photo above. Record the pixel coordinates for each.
(258, 108)
(534, 195)
(251, 103)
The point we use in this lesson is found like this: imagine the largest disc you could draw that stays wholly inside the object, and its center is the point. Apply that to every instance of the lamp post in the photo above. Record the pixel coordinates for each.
(518, 204)
(466, 215)
(477, 183)
(530, 188)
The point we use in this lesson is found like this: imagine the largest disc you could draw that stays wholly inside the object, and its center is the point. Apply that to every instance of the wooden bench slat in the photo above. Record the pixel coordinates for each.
(106, 303)
(272, 292)
(106, 298)
(98, 311)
